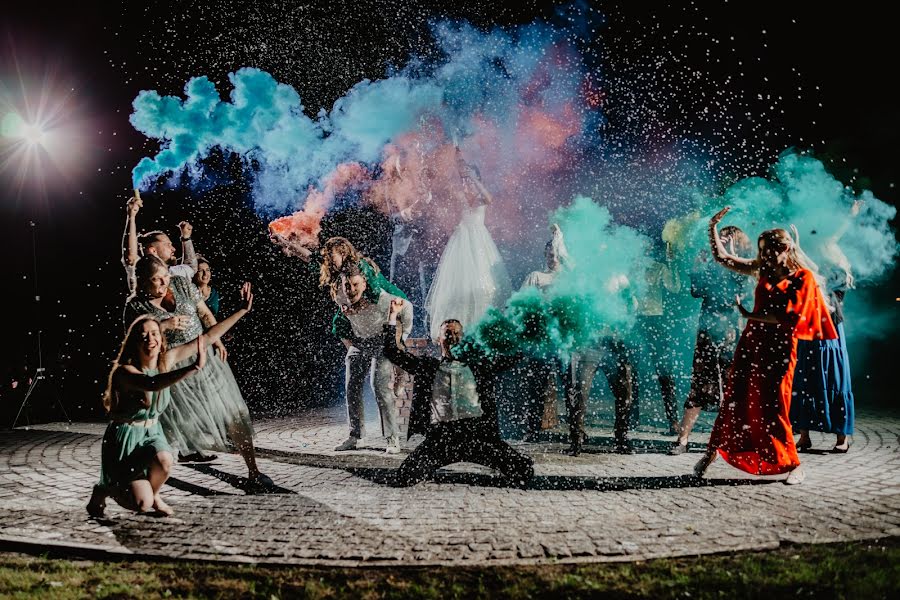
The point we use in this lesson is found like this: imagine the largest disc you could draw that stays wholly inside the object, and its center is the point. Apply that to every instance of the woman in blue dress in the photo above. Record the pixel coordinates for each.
(823, 393)
(136, 458)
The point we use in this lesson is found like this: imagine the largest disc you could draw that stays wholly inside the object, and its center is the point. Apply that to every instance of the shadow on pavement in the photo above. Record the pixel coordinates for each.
(236, 481)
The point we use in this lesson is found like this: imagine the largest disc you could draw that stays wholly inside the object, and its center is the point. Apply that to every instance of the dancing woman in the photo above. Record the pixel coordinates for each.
(471, 275)
(753, 429)
(136, 458)
(823, 392)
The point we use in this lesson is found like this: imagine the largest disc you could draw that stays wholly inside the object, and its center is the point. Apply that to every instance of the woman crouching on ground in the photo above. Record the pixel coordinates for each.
(136, 458)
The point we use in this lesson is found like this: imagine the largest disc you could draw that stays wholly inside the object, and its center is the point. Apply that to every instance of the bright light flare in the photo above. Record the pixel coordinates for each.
(44, 132)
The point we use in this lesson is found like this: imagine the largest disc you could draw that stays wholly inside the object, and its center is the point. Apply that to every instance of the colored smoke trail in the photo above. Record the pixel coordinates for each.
(802, 192)
(515, 103)
(596, 297)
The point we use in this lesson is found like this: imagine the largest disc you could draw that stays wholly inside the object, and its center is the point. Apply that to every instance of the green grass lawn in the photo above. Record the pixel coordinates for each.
(854, 570)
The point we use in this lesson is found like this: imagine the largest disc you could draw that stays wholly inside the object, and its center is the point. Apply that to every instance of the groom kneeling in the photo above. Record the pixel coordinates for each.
(454, 407)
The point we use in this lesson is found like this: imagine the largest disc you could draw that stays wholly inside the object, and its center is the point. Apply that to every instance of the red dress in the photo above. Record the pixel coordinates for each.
(753, 430)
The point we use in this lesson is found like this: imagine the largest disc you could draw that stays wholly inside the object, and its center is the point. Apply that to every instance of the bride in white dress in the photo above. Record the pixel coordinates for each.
(471, 275)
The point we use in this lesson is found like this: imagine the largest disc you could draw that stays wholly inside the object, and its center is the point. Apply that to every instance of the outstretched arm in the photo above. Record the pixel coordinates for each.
(845, 224)
(131, 254)
(212, 335)
(737, 264)
(128, 377)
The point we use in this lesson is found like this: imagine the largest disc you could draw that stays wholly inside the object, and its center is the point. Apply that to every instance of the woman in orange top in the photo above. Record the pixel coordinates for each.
(753, 430)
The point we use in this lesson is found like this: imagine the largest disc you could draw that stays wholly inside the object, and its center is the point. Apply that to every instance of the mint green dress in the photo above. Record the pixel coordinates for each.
(129, 445)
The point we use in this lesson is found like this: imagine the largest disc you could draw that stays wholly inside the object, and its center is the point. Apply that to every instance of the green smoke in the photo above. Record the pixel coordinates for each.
(596, 296)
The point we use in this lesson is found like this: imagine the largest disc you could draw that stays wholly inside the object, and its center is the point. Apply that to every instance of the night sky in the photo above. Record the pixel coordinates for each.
(812, 77)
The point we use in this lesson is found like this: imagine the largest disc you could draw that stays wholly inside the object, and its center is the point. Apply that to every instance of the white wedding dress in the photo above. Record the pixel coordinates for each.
(470, 276)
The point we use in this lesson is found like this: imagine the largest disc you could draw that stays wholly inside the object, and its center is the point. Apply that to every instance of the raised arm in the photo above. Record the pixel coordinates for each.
(131, 253)
(737, 264)
(128, 377)
(188, 255)
(467, 172)
(212, 335)
(408, 362)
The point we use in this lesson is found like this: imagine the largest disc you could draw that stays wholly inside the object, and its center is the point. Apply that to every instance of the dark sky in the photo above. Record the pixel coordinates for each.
(844, 61)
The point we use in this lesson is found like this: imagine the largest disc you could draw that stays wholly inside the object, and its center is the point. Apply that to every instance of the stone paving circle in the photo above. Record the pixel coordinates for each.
(333, 508)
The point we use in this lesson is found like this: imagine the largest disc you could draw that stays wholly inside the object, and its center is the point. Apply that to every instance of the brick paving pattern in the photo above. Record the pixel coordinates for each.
(333, 508)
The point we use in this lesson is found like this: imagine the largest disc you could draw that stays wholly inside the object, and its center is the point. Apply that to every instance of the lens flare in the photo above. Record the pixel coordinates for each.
(43, 130)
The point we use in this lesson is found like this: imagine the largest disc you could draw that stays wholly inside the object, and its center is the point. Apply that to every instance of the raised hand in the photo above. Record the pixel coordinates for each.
(396, 307)
(246, 296)
(133, 206)
(718, 216)
(186, 229)
(857, 205)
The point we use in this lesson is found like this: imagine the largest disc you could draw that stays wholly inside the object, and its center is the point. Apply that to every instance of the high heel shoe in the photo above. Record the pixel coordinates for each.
(841, 448)
(97, 504)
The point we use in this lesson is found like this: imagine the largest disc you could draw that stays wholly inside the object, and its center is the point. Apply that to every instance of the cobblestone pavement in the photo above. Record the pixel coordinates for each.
(331, 509)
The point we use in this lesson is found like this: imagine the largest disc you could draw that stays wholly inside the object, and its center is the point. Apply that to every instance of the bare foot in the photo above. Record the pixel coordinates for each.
(161, 506)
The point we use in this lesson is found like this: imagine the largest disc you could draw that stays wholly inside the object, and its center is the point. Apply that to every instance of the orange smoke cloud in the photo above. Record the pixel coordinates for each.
(304, 225)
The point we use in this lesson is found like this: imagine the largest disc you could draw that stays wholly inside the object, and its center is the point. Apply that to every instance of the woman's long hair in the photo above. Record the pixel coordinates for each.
(797, 258)
(128, 355)
(328, 273)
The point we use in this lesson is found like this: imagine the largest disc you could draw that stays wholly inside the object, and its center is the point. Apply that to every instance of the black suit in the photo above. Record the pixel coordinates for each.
(475, 440)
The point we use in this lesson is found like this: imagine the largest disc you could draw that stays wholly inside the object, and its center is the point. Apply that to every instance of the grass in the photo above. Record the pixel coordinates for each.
(851, 570)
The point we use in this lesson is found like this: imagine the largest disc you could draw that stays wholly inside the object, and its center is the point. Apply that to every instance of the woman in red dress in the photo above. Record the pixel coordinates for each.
(753, 429)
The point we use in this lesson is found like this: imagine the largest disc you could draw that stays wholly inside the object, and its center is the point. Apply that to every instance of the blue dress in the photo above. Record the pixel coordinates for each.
(822, 397)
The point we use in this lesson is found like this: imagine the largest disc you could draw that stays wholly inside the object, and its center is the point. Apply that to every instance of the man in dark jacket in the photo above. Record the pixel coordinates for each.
(454, 406)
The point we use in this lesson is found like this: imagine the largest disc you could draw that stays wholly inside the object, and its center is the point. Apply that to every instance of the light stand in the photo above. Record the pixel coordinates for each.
(40, 373)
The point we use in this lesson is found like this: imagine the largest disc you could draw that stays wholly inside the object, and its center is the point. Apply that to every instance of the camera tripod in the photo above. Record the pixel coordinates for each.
(40, 373)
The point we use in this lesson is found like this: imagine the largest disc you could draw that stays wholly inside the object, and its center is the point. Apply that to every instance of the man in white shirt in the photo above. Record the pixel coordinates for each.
(360, 327)
(158, 244)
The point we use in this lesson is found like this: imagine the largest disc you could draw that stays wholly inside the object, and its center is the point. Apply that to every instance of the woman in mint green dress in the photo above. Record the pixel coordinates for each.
(136, 458)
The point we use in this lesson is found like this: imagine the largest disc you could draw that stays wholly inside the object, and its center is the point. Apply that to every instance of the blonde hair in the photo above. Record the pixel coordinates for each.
(328, 273)
(128, 355)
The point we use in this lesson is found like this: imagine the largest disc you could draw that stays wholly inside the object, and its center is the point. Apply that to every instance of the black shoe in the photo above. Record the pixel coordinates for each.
(574, 449)
(676, 449)
(623, 447)
(196, 457)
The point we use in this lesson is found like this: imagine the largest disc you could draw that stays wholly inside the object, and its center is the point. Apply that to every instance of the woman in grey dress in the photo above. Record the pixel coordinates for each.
(207, 409)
